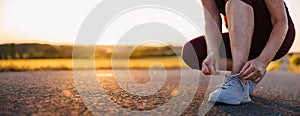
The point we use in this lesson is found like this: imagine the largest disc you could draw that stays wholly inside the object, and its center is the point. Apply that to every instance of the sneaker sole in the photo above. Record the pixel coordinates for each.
(243, 100)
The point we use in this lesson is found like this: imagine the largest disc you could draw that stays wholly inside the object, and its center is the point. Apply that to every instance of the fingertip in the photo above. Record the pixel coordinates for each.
(248, 77)
(206, 73)
(257, 80)
(242, 71)
(242, 74)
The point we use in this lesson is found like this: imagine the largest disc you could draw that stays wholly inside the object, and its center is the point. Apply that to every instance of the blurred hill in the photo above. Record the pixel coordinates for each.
(41, 51)
(34, 51)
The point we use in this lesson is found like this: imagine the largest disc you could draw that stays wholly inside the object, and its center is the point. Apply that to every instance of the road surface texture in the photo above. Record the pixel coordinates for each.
(55, 93)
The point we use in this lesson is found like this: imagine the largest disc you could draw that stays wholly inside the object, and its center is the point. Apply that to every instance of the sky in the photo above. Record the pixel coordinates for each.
(58, 21)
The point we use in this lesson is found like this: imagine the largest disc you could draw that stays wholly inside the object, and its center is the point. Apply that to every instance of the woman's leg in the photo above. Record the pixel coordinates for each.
(195, 51)
(240, 18)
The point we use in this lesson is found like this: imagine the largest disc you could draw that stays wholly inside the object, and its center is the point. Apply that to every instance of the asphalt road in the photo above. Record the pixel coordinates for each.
(62, 93)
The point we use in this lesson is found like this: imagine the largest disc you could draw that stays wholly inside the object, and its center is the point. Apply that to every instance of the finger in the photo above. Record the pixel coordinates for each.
(251, 76)
(262, 71)
(205, 70)
(257, 79)
(245, 67)
(211, 69)
(256, 75)
(247, 71)
(254, 78)
(202, 68)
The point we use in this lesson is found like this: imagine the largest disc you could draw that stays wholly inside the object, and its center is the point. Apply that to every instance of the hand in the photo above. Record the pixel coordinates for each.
(253, 70)
(210, 64)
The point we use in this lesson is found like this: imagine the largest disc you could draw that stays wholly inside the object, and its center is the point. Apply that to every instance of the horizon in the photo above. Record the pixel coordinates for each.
(120, 45)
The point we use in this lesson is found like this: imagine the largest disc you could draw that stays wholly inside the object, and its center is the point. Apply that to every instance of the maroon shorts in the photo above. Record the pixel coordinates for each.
(195, 51)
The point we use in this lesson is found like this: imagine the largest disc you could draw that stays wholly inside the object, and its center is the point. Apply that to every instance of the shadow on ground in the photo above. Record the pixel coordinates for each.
(258, 107)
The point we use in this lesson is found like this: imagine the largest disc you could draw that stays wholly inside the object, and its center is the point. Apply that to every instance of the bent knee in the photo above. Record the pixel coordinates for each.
(189, 56)
(193, 53)
(237, 5)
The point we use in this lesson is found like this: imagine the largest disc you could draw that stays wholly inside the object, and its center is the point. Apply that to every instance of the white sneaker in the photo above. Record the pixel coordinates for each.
(233, 92)
(252, 86)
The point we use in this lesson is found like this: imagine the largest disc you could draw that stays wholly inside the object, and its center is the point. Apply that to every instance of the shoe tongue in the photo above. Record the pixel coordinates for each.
(229, 75)
(231, 79)
(237, 80)
(235, 77)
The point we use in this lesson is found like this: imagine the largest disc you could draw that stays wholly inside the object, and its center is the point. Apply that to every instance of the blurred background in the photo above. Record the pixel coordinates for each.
(39, 35)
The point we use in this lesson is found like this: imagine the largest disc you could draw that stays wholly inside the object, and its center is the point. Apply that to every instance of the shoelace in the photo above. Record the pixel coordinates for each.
(229, 81)
(230, 78)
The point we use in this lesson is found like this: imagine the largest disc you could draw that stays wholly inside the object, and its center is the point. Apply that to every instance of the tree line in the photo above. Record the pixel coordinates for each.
(43, 51)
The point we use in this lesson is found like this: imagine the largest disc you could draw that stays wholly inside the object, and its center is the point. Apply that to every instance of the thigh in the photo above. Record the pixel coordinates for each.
(195, 51)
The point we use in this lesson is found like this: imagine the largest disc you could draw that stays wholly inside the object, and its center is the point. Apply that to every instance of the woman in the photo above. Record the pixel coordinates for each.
(260, 31)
